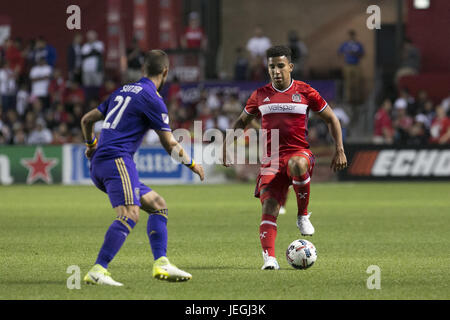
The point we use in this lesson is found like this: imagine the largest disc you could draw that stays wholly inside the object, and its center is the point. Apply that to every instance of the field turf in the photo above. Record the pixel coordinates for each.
(213, 233)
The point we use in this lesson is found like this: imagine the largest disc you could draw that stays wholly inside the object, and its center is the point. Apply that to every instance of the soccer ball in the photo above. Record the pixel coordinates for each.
(301, 254)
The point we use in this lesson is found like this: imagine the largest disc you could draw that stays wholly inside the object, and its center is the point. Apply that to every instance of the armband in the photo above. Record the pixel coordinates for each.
(91, 143)
(190, 165)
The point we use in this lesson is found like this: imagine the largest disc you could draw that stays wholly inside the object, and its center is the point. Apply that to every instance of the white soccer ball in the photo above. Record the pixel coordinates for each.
(301, 254)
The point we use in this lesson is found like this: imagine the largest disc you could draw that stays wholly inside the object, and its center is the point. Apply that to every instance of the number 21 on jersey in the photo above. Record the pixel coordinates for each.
(121, 105)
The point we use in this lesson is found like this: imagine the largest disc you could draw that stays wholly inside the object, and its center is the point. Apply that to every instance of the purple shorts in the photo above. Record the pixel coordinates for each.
(119, 179)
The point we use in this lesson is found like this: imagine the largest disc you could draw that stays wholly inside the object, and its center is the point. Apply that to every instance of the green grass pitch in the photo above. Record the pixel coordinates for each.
(213, 233)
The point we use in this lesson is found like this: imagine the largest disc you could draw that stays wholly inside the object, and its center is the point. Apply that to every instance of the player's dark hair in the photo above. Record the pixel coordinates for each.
(278, 51)
(154, 62)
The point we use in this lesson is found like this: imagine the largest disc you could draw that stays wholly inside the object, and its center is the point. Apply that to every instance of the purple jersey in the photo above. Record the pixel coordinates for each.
(130, 112)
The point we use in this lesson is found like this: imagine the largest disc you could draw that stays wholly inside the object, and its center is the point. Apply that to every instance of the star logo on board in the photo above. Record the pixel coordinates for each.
(39, 167)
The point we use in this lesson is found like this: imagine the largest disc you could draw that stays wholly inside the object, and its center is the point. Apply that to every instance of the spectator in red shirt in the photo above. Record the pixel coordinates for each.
(440, 127)
(194, 37)
(383, 130)
(74, 94)
(60, 114)
(14, 56)
(57, 87)
(61, 134)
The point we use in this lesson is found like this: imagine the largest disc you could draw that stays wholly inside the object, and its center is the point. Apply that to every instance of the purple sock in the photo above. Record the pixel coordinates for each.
(114, 239)
(157, 233)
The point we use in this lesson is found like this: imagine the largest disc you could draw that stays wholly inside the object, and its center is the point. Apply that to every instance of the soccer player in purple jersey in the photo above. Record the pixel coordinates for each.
(128, 114)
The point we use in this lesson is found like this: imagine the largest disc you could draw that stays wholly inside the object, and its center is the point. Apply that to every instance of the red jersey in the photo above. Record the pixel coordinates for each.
(382, 120)
(194, 37)
(286, 110)
(438, 128)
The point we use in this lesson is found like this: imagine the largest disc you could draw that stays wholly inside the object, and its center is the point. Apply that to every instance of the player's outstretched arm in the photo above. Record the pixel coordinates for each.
(87, 125)
(339, 161)
(241, 123)
(177, 152)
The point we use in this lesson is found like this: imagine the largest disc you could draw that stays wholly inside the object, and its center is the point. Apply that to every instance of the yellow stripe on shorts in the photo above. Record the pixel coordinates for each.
(128, 181)
(126, 184)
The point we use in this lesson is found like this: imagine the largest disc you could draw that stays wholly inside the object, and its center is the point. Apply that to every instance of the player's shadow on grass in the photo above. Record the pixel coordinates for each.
(249, 268)
(218, 268)
(31, 282)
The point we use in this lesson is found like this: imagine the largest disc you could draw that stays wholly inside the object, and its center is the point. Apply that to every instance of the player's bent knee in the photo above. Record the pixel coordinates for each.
(160, 203)
(271, 206)
(152, 201)
(298, 166)
(131, 212)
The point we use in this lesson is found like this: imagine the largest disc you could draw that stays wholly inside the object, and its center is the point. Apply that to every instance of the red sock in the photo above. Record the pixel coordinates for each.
(301, 187)
(268, 233)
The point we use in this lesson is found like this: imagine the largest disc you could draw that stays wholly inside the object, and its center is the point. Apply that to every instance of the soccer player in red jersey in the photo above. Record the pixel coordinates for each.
(284, 105)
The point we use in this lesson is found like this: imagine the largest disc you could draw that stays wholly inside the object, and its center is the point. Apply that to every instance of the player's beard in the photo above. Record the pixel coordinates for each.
(163, 81)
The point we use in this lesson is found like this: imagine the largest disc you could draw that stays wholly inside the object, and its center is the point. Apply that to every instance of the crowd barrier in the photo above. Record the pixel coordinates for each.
(396, 162)
(67, 165)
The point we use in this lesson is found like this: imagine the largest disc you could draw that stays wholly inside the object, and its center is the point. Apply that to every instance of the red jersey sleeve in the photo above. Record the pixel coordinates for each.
(316, 102)
(252, 104)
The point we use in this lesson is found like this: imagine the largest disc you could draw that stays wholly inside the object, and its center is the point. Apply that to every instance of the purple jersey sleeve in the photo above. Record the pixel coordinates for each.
(157, 115)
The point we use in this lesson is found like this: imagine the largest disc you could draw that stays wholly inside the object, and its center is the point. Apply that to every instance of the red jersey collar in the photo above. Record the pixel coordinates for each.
(292, 82)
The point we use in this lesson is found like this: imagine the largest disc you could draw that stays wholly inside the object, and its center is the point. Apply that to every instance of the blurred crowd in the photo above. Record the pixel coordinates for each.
(41, 104)
(410, 120)
(38, 104)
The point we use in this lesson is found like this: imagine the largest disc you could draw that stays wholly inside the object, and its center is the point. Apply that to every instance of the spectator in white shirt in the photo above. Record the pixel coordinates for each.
(7, 87)
(92, 65)
(213, 100)
(257, 47)
(5, 131)
(40, 76)
(22, 99)
(40, 134)
(258, 44)
(445, 104)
